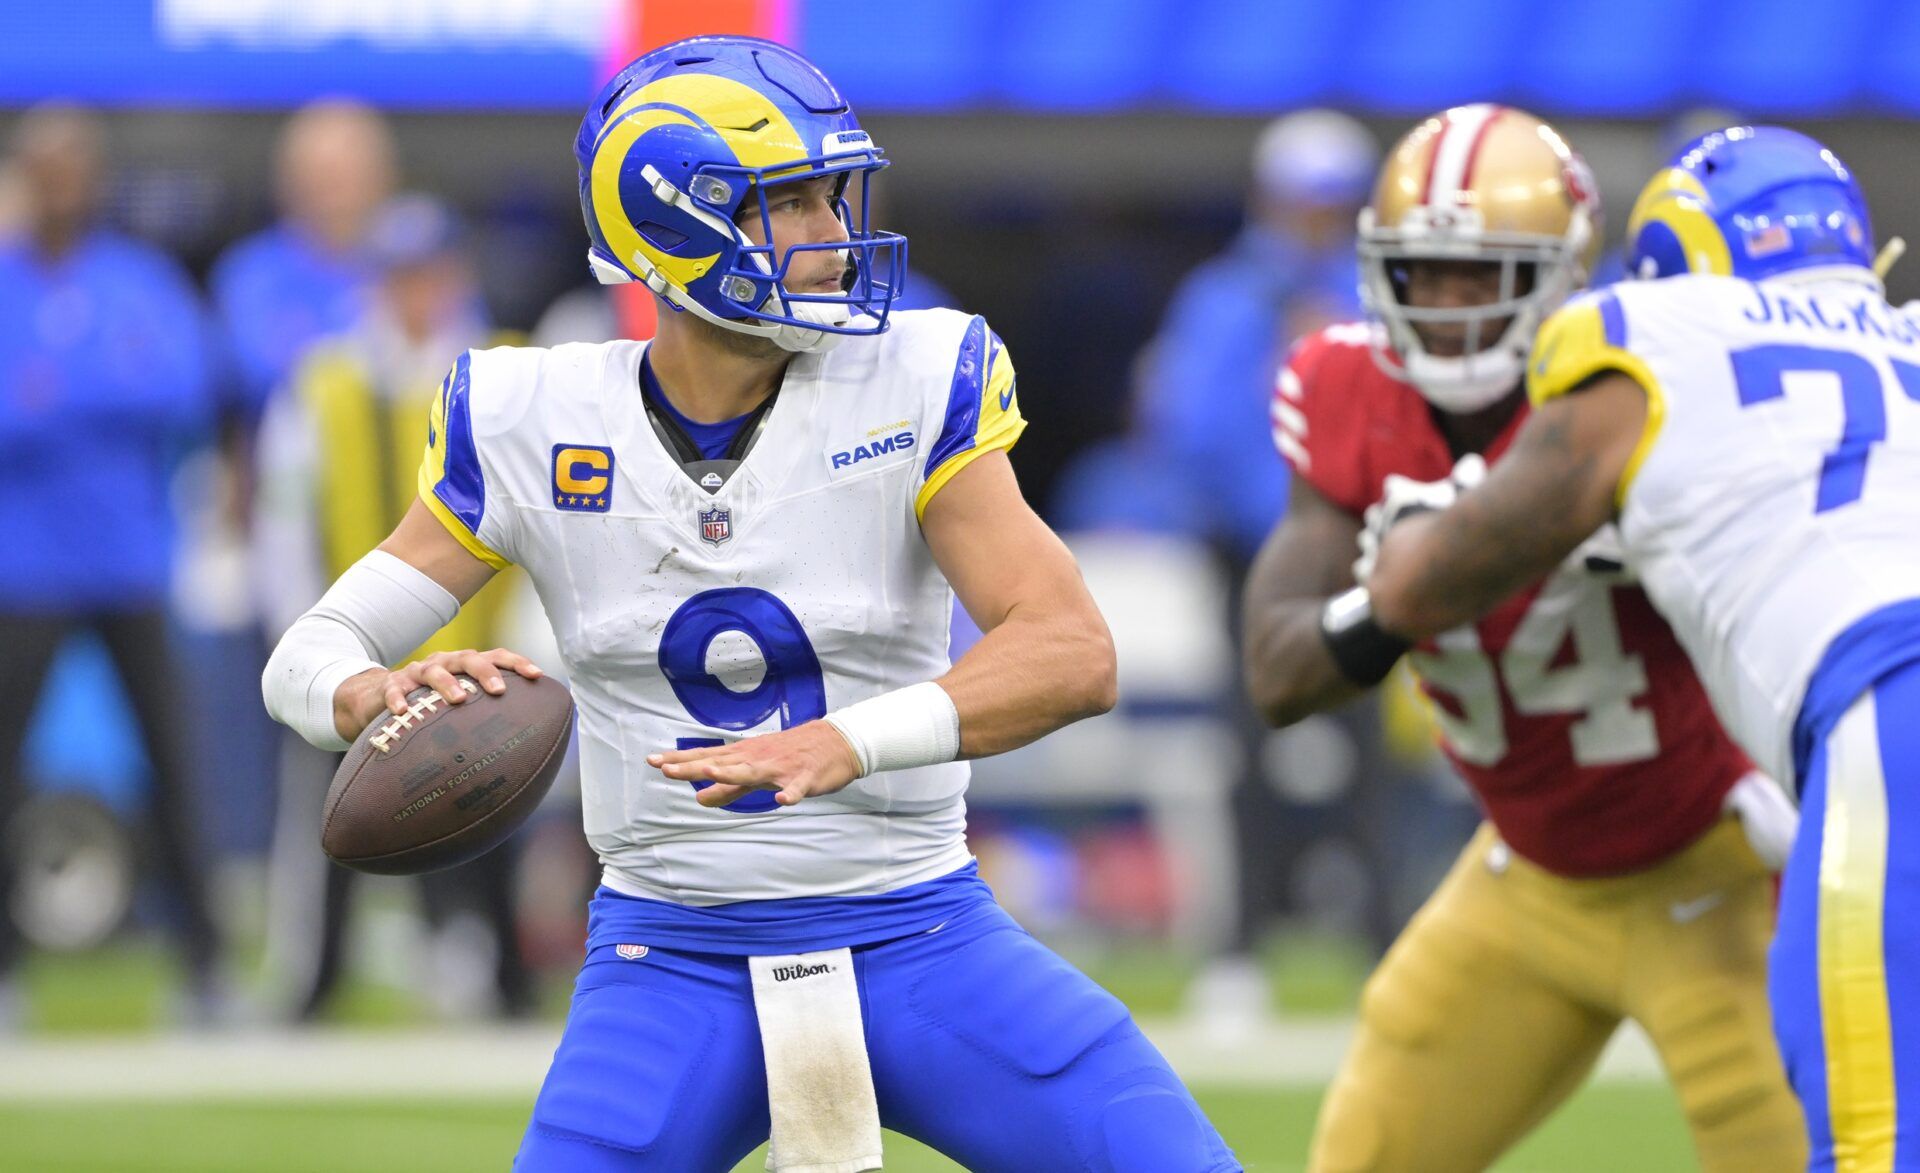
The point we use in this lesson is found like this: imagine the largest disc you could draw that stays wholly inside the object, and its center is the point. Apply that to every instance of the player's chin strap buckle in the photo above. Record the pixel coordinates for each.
(819, 1082)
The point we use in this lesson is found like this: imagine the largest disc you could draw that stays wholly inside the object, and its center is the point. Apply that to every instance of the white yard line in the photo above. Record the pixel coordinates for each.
(451, 1062)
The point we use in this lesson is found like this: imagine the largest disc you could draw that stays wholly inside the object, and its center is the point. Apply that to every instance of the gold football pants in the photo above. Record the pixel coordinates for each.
(1494, 1003)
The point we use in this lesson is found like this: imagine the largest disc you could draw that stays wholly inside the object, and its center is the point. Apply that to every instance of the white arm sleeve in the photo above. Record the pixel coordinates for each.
(380, 609)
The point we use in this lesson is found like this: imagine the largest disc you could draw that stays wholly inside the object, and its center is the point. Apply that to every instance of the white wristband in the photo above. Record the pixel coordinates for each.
(912, 726)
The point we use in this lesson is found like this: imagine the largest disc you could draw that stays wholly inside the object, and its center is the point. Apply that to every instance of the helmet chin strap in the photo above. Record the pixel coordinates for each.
(1462, 386)
(799, 339)
(787, 336)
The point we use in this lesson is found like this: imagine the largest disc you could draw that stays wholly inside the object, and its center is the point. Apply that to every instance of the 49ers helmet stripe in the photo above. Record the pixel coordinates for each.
(1454, 154)
(1479, 184)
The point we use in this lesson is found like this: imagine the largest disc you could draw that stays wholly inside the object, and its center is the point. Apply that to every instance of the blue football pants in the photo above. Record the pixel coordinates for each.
(984, 1044)
(1845, 970)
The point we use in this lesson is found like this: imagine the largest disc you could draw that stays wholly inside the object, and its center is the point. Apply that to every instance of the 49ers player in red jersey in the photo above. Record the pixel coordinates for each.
(1618, 873)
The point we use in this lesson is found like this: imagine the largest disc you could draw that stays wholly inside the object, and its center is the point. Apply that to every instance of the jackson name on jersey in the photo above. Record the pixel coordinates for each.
(1774, 498)
(1570, 709)
(691, 611)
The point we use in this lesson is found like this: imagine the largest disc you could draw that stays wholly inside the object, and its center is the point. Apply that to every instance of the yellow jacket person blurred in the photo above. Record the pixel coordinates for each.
(338, 455)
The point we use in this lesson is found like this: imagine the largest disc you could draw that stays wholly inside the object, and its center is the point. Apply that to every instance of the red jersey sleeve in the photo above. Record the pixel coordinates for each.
(1318, 424)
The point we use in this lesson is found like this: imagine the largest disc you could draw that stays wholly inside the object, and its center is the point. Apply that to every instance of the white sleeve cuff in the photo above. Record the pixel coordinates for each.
(380, 609)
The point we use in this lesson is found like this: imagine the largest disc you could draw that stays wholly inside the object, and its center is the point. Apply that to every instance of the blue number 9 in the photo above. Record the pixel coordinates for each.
(793, 686)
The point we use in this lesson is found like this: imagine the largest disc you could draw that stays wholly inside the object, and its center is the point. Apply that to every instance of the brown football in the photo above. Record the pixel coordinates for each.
(446, 783)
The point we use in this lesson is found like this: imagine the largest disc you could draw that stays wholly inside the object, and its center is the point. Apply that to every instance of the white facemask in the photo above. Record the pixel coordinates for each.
(1465, 384)
(1462, 386)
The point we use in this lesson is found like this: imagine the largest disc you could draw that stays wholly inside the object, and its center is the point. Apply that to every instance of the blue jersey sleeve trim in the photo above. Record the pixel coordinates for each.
(962, 424)
(462, 489)
(1613, 321)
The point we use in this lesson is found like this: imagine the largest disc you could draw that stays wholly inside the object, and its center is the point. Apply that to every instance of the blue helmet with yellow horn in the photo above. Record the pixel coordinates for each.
(1751, 202)
(681, 146)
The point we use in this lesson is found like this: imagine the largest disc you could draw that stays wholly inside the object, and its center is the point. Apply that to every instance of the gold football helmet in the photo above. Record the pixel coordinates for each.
(1488, 184)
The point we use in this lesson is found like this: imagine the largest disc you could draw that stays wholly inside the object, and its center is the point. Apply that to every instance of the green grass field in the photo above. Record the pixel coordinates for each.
(123, 988)
(1606, 1128)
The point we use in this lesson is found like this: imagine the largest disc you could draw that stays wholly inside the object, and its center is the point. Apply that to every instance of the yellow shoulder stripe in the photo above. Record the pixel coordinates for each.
(997, 426)
(433, 469)
(461, 533)
(1587, 337)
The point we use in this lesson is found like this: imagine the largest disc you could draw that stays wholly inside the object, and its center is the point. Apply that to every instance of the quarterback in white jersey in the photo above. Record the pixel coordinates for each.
(749, 535)
(1753, 424)
(691, 616)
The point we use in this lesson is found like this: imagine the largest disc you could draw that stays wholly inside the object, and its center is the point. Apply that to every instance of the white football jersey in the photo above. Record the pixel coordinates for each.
(690, 614)
(1775, 498)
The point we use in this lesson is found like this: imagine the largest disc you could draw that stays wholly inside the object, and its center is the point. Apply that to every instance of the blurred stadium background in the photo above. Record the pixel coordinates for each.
(1098, 177)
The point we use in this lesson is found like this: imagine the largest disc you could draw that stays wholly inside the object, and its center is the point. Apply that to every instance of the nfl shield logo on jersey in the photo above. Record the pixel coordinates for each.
(631, 952)
(716, 525)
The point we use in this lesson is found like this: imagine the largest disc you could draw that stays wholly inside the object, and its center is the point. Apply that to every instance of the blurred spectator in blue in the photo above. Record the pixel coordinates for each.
(1125, 484)
(1203, 388)
(1197, 460)
(342, 448)
(104, 380)
(309, 275)
(276, 293)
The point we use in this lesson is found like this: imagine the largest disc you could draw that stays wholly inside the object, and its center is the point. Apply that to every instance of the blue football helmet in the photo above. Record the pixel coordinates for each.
(682, 145)
(1752, 202)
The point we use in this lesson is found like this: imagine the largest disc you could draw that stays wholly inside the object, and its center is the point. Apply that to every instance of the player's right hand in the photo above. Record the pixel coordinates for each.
(1402, 497)
(361, 698)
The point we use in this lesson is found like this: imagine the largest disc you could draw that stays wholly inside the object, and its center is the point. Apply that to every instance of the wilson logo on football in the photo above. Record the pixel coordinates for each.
(417, 711)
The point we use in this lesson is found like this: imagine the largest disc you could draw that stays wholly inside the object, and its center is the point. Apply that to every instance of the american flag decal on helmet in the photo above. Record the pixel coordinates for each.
(1765, 242)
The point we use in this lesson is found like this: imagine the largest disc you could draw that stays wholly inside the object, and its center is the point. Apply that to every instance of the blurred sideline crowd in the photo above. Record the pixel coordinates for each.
(185, 467)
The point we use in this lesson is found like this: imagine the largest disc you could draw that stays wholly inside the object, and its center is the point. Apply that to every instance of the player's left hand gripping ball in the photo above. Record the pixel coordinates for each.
(797, 763)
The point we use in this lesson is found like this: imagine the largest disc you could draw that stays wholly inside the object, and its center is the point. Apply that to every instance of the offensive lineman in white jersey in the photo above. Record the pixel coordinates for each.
(1753, 423)
(748, 536)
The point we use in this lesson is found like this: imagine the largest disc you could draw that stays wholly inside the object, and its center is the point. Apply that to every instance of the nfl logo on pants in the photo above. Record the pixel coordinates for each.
(716, 525)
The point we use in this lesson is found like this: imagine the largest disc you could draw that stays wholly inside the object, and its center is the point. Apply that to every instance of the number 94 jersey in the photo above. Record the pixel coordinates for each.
(708, 602)
(1774, 498)
(1570, 709)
